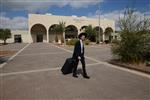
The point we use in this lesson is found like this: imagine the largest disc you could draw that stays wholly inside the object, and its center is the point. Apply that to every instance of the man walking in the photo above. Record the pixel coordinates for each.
(79, 55)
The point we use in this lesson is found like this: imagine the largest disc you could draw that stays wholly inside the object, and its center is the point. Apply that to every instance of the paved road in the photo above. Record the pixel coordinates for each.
(9, 47)
(34, 74)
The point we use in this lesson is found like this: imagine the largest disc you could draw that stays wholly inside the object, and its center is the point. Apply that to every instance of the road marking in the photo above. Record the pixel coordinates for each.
(110, 65)
(34, 54)
(31, 48)
(62, 48)
(38, 70)
(12, 57)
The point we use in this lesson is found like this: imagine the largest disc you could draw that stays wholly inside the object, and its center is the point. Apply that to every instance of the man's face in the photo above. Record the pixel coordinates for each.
(82, 37)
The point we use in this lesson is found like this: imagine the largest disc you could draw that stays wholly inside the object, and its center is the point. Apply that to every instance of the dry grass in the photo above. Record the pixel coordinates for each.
(7, 53)
(139, 67)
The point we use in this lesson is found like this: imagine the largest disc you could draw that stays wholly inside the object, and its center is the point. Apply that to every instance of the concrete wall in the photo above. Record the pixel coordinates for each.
(78, 22)
(48, 20)
(26, 37)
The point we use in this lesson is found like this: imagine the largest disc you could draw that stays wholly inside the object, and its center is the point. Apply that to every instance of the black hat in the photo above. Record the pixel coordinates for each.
(80, 35)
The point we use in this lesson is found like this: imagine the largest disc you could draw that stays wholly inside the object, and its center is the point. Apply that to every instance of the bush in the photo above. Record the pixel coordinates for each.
(87, 42)
(107, 41)
(115, 41)
(71, 42)
(134, 46)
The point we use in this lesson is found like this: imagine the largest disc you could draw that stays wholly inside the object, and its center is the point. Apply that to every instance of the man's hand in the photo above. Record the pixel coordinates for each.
(79, 58)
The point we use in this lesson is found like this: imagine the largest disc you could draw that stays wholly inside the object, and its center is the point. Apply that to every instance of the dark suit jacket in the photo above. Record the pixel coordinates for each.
(77, 50)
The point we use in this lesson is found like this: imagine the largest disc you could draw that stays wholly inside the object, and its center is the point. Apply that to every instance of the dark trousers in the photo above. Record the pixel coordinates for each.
(76, 65)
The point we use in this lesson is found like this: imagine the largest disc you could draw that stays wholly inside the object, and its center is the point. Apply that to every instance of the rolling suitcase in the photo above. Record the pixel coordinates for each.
(68, 66)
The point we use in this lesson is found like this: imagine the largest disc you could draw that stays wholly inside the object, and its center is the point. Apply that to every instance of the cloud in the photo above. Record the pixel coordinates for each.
(2, 13)
(83, 3)
(116, 14)
(33, 6)
(22, 22)
(14, 23)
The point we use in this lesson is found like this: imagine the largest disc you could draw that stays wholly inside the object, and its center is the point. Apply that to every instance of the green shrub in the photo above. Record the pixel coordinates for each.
(134, 46)
(107, 41)
(87, 42)
(71, 42)
(115, 41)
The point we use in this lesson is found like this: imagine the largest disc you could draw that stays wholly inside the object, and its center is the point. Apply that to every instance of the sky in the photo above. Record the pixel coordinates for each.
(14, 13)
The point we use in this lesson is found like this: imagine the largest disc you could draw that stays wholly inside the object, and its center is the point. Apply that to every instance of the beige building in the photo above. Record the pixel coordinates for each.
(19, 36)
(40, 28)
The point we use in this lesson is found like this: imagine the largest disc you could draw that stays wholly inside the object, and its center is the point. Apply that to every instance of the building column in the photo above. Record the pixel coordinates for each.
(103, 37)
(64, 38)
(47, 36)
(78, 31)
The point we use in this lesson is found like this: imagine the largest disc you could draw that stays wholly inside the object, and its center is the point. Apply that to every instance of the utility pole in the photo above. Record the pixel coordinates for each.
(99, 23)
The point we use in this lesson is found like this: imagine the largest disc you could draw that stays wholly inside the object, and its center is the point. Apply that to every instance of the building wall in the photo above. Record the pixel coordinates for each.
(26, 37)
(49, 20)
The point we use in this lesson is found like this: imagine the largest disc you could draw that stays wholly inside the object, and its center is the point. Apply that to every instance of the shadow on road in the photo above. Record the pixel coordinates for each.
(3, 59)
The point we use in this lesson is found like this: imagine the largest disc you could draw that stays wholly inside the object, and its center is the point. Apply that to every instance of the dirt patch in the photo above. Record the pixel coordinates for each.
(7, 53)
(140, 67)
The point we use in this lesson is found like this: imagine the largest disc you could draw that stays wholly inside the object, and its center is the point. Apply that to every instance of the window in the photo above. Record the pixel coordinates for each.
(17, 39)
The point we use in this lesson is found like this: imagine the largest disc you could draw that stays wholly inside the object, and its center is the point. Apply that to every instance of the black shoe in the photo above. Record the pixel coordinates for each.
(87, 77)
(74, 75)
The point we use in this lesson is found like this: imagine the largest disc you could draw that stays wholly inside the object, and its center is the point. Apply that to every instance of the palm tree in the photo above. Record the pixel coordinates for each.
(99, 34)
(108, 32)
(5, 34)
(91, 33)
(60, 29)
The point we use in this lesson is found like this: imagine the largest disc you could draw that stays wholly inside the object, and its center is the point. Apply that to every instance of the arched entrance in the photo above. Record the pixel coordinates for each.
(53, 35)
(83, 28)
(38, 33)
(71, 31)
(108, 32)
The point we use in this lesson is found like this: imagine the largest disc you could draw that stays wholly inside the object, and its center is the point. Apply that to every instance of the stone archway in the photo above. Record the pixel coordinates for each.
(38, 33)
(82, 29)
(108, 32)
(71, 31)
(53, 35)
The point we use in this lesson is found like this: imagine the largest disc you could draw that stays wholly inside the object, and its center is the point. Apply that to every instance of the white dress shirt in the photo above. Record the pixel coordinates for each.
(81, 42)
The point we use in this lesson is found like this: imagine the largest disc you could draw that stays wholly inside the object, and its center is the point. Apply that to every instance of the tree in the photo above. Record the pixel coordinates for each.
(56, 38)
(99, 34)
(135, 38)
(91, 33)
(5, 34)
(60, 29)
